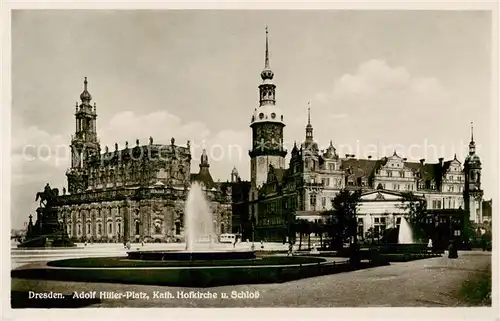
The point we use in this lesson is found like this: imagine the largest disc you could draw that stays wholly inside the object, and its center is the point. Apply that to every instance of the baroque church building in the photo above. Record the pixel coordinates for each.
(305, 189)
(135, 193)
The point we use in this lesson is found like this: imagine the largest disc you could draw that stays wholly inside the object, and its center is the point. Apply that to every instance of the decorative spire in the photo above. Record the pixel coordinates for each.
(309, 114)
(472, 144)
(309, 128)
(267, 50)
(267, 73)
(85, 95)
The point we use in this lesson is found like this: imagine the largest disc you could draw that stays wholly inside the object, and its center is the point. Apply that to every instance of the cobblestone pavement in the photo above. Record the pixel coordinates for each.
(430, 282)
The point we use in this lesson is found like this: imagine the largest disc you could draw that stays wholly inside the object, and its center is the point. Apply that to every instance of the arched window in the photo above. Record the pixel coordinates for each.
(157, 228)
(88, 228)
(99, 228)
(137, 228)
(222, 229)
(110, 229)
(79, 229)
(118, 228)
(177, 228)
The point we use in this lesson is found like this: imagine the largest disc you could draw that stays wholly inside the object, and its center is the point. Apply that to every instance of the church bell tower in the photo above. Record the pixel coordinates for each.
(267, 130)
(84, 143)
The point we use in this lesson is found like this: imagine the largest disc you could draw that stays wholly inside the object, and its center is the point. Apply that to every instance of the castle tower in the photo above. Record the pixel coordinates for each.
(84, 142)
(267, 129)
(473, 195)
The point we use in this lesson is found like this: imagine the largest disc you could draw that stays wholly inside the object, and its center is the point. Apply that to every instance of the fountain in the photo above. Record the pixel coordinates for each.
(198, 220)
(199, 234)
(405, 235)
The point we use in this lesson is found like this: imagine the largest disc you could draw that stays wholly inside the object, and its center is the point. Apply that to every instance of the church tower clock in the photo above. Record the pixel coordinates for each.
(267, 130)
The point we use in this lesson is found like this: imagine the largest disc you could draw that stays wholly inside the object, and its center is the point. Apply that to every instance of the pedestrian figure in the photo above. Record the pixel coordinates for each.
(290, 249)
(262, 244)
(429, 245)
(452, 251)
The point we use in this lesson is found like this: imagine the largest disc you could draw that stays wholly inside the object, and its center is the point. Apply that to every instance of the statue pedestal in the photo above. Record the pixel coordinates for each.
(47, 231)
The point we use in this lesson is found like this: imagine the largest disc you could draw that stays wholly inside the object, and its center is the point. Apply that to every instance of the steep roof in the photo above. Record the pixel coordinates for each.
(204, 177)
(427, 171)
(361, 167)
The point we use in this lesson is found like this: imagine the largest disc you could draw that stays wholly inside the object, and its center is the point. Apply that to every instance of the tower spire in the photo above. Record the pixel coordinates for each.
(472, 144)
(471, 131)
(267, 50)
(309, 128)
(267, 73)
(309, 113)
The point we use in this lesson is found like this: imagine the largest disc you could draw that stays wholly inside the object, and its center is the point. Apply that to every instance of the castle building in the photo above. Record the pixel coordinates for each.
(306, 189)
(135, 193)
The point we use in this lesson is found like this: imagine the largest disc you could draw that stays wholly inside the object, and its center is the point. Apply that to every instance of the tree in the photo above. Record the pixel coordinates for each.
(308, 230)
(372, 235)
(300, 227)
(416, 212)
(319, 228)
(342, 220)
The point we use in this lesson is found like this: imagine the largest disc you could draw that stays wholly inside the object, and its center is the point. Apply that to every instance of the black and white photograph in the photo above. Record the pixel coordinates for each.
(188, 158)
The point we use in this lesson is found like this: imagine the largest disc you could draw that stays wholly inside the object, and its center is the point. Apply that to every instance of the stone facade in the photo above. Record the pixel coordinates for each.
(314, 177)
(136, 193)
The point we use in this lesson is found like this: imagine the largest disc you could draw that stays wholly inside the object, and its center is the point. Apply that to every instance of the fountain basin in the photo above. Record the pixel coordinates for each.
(190, 255)
(401, 248)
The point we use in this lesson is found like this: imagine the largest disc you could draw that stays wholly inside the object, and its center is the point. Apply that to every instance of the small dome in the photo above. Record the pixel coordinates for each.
(85, 95)
(267, 74)
(330, 152)
(310, 147)
(474, 158)
(267, 113)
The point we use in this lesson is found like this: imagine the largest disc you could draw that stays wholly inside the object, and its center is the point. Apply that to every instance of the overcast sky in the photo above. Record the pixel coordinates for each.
(405, 80)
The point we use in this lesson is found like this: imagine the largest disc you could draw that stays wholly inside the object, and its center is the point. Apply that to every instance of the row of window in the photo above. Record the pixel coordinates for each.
(157, 228)
(271, 220)
(335, 182)
(452, 188)
(99, 228)
(312, 201)
(446, 203)
(401, 174)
